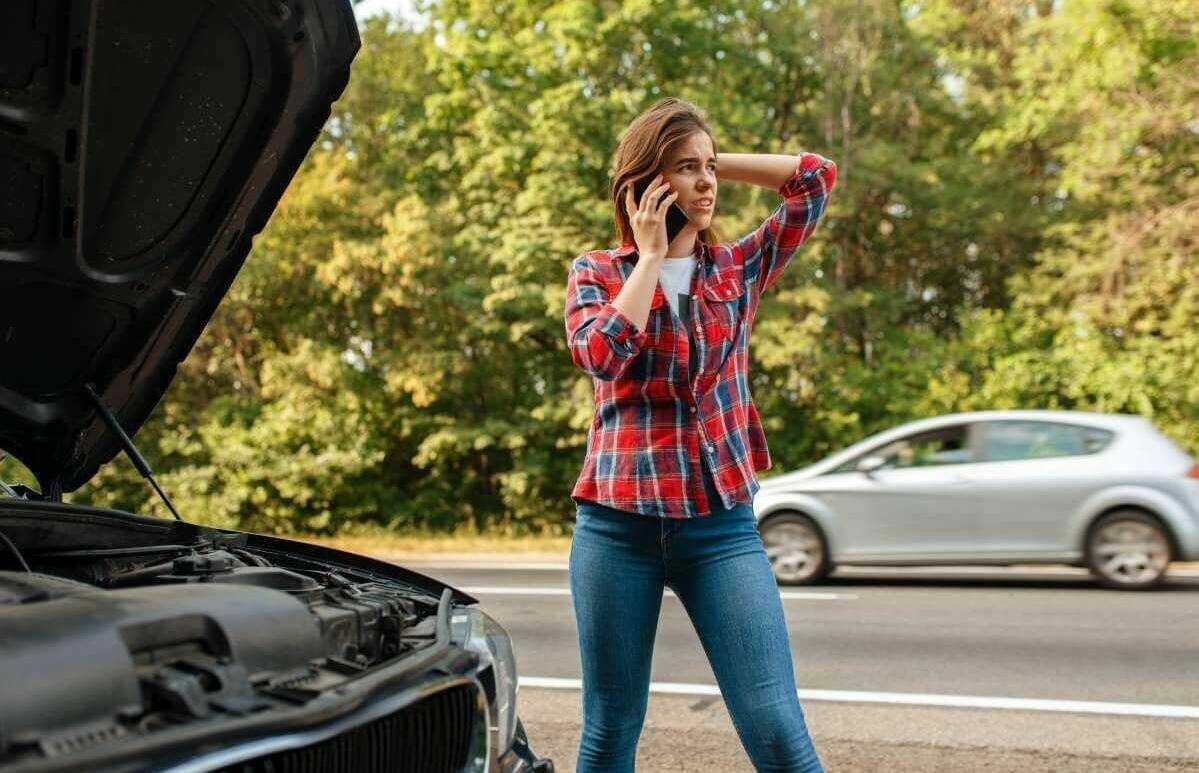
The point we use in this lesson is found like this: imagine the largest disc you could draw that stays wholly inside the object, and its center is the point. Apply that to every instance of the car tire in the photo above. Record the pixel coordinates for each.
(796, 548)
(1128, 550)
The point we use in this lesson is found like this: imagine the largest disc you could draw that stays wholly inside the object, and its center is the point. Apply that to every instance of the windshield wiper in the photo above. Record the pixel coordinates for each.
(131, 451)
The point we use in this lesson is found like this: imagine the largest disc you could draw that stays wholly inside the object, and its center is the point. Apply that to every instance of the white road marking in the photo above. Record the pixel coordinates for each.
(502, 590)
(914, 699)
(840, 571)
(1024, 570)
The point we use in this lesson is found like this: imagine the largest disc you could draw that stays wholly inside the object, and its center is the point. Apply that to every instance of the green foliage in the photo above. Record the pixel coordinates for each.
(1013, 227)
(1106, 319)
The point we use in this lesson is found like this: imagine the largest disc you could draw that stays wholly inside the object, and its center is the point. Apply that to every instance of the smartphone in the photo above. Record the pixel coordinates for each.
(676, 218)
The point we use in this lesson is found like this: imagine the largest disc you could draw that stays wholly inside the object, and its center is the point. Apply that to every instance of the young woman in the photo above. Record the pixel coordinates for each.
(664, 496)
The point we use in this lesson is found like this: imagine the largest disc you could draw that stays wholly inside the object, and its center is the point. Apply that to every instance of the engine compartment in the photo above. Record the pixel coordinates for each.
(100, 644)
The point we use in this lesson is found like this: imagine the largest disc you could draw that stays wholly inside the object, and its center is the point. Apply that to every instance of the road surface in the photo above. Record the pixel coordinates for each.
(899, 669)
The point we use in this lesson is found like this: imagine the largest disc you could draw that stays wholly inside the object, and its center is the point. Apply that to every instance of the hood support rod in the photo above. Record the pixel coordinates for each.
(131, 451)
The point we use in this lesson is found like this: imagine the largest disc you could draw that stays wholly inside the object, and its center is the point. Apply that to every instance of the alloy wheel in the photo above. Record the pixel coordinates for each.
(1129, 551)
(795, 549)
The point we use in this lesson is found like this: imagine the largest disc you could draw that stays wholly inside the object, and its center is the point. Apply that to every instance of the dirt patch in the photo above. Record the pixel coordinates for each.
(694, 750)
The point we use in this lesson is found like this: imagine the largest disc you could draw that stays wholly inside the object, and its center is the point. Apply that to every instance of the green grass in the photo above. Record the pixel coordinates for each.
(426, 544)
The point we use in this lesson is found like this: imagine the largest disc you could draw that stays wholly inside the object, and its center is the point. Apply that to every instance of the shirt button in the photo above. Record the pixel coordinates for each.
(693, 409)
(711, 448)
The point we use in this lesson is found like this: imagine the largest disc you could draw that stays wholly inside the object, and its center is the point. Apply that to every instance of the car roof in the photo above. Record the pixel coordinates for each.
(1112, 421)
(1115, 422)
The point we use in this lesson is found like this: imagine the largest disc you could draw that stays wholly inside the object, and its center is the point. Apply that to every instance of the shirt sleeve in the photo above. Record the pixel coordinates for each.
(602, 340)
(767, 250)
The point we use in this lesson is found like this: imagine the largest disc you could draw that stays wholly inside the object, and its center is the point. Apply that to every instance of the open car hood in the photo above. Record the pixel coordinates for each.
(142, 146)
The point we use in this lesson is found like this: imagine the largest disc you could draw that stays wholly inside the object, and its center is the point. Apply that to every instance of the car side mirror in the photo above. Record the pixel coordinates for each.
(870, 464)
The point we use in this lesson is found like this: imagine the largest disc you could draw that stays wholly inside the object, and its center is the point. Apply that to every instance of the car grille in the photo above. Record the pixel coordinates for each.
(433, 735)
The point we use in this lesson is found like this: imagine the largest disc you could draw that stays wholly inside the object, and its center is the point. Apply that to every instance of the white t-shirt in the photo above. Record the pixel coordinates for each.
(675, 278)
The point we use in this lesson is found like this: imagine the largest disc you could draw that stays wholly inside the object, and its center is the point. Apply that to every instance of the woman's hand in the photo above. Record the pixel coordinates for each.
(649, 219)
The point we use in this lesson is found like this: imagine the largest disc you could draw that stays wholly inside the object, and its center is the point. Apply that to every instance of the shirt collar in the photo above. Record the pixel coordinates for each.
(702, 251)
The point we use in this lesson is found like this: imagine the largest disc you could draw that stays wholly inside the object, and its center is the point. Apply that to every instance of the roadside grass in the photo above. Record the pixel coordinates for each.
(383, 542)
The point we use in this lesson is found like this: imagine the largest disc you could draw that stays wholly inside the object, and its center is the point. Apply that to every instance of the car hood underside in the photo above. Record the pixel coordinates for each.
(142, 146)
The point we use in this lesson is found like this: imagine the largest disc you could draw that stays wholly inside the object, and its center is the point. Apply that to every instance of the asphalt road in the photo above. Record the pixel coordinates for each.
(901, 670)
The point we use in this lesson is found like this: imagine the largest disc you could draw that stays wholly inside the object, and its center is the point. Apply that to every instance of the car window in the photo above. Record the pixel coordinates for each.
(1011, 440)
(947, 445)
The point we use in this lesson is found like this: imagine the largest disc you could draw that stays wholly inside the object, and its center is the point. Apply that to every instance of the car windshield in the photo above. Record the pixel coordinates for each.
(947, 445)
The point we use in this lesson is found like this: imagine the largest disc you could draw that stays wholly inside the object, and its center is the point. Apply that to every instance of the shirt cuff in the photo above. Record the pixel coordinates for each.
(614, 324)
(813, 174)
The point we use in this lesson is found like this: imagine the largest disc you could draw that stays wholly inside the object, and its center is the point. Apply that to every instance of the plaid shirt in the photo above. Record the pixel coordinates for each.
(655, 420)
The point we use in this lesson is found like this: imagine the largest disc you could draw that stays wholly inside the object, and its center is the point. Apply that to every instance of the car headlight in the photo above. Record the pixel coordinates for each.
(479, 633)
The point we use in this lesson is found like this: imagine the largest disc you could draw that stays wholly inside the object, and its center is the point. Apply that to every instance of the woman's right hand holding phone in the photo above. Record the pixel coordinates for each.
(649, 232)
(648, 218)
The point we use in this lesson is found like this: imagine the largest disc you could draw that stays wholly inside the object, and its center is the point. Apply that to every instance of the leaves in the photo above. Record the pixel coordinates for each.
(1013, 228)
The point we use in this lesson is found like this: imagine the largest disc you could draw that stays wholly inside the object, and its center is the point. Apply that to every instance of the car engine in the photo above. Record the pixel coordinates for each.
(100, 644)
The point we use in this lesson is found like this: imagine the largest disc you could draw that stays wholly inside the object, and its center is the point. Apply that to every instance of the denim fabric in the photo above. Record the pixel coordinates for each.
(620, 562)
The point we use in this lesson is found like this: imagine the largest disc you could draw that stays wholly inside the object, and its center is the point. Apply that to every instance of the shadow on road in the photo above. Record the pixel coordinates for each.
(1169, 585)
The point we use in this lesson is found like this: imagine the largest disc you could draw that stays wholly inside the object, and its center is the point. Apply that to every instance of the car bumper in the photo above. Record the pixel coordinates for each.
(521, 759)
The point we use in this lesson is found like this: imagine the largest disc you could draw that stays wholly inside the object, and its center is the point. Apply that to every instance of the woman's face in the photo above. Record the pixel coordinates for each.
(691, 170)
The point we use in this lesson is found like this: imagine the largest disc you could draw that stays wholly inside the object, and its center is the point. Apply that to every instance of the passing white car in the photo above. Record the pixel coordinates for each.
(1105, 491)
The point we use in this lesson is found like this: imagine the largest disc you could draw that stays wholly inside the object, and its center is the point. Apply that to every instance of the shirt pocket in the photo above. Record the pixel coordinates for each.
(725, 301)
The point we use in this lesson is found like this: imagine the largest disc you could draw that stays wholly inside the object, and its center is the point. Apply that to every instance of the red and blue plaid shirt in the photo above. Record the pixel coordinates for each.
(655, 420)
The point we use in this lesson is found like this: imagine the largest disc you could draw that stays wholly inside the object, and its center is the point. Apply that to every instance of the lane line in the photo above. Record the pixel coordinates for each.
(501, 590)
(997, 571)
(914, 699)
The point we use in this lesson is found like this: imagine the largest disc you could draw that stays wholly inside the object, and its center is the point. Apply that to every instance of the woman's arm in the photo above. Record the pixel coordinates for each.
(648, 219)
(637, 293)
(770, 170)
(603, 341)
(804, 182)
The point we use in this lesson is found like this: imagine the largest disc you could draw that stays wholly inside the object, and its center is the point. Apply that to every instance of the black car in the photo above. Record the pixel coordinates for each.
(142, 145)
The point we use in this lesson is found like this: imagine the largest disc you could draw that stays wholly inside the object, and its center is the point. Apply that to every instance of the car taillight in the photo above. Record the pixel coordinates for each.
(1193, 472)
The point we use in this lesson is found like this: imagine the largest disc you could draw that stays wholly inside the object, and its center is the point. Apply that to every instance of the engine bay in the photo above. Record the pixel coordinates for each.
(103, 643)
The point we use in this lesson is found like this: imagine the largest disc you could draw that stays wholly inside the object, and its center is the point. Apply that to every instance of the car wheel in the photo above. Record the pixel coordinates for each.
(796, 549)
(1128, 549)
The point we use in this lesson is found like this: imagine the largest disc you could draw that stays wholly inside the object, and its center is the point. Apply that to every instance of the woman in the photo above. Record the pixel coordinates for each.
(664, 496)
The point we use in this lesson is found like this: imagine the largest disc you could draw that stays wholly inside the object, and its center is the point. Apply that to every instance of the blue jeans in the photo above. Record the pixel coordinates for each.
(619, 564)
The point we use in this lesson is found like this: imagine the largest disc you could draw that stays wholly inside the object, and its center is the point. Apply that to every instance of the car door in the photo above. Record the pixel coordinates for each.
(1031, 477)
(916, 504)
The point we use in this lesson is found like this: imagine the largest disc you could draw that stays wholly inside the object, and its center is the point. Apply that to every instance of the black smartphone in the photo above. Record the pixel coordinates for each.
(676, 218)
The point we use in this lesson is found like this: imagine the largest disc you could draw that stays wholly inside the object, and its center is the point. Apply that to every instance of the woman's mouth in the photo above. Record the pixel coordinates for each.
(704, 204)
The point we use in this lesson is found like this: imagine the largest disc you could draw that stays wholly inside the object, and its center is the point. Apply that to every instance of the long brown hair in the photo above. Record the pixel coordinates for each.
(643, 148)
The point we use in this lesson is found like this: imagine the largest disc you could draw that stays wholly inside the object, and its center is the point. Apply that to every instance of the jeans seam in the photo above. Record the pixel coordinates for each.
(664, 550)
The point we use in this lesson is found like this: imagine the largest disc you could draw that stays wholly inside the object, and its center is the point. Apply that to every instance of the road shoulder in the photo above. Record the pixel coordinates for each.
(680, 730)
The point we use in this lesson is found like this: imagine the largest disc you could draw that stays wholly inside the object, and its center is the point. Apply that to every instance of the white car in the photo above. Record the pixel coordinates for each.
(1105, 491)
